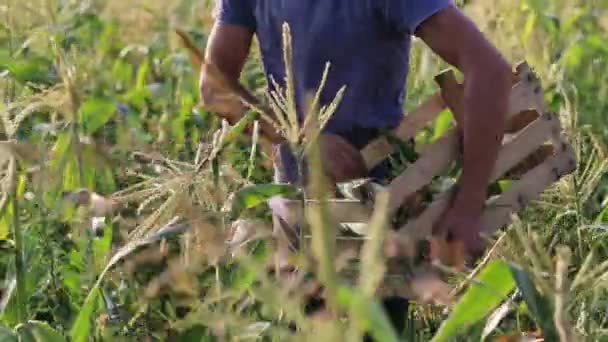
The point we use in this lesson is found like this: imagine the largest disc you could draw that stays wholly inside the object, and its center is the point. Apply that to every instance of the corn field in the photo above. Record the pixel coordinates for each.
(130, 212)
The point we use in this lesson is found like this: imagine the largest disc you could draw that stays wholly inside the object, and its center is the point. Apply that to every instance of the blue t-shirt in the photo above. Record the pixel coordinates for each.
(367, 43)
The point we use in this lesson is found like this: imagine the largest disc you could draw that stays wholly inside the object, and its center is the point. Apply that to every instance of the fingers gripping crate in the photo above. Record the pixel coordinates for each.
(530, 126)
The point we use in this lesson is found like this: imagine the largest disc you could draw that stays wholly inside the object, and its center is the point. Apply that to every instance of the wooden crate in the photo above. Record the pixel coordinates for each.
(531, 128)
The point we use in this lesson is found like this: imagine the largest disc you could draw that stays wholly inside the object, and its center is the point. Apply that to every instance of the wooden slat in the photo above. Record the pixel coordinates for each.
(436, 157)
(453, 96)
(498, 210)
(525, 143)
(350, 246)
(528, 188)
(497, 213)
(344, 211)
(510, 154)
(380, 148)
(531, 132)
(525, 95)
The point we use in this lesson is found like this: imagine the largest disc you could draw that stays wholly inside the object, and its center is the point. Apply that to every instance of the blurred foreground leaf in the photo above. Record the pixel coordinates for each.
(490, 288)
(95, 113)
(7, 335)
(32, 69)
(82, 326)
(37, 331)
(539, 307)
(369, 315)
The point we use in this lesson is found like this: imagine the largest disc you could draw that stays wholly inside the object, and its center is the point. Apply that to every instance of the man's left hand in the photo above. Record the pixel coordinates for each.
(462, 223)
(465, 228)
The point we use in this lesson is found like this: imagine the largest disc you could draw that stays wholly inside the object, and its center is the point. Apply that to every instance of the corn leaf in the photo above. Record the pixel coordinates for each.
(7, 335)
(95, 113)
(539, 307)
(34, 69)
(490, 288)
(82, 326)
(369, 316)
(102, 247)
(39, 332)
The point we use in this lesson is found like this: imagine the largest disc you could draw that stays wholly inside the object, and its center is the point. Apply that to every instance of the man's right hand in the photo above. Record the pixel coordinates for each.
(217, 98)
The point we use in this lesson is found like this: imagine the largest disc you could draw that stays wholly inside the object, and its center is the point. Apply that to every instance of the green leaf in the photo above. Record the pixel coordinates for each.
(237, 130)
(97, 169)
(109, 38)
(142, 75)
(423, 137)
(244, 279)
(72, 280)
(39, 332)
(37, 272)
(8, 308)
(25, 335)
(33, 69)
(370, 317)
(122, 72)
(573, 55)
(504, 185)
(407, 150)
(102, 247)
(5, 218)
(602, 216)
(490, 288)
(529, 26)
(71, 177)
(61, 156)
(21, 185)
(7, 335)
(442, 124)
(254, 195)
(551, 24)
(195, 333)
(82, 326)
(137, 97)
(62, 145)
(95, 113)
(539, 307)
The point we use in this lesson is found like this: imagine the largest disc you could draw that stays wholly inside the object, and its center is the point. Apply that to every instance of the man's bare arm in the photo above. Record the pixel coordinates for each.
(488, 80)
(227, 50)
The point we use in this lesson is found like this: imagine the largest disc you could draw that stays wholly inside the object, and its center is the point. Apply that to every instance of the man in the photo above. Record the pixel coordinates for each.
(368, 45)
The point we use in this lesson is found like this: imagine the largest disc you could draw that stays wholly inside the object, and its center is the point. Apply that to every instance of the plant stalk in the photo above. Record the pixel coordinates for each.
(19, 262)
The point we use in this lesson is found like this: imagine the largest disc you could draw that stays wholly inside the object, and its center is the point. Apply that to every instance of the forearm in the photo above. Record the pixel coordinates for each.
(486, 104)
(220, 90)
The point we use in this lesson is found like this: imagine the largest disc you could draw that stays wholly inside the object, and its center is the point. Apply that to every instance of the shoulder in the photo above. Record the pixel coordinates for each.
(407, 15)
(236, 12)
